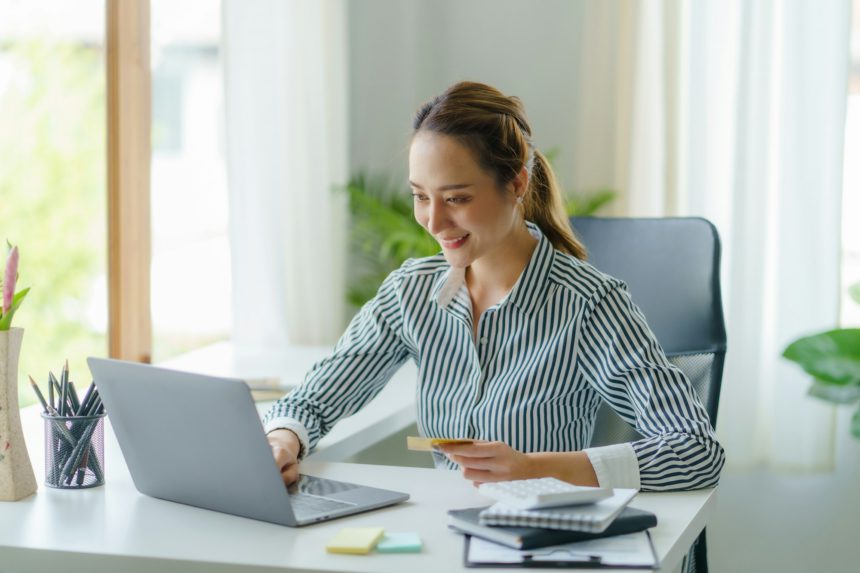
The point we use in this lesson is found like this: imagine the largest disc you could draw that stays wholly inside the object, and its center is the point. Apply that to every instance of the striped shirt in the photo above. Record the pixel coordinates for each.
(564, 338)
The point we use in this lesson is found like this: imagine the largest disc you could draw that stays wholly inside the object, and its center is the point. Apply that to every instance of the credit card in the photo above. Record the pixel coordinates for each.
(422, 444)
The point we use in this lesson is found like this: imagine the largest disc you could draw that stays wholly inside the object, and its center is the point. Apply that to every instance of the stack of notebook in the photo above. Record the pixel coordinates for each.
(533, 528)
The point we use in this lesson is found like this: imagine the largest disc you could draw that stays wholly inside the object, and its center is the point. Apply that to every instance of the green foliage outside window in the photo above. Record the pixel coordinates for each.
(52, 199)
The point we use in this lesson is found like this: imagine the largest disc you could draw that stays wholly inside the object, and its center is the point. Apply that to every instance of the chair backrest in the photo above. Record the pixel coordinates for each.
(672, 269)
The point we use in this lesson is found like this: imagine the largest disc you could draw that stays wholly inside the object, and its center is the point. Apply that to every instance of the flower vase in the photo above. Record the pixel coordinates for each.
(17, 479)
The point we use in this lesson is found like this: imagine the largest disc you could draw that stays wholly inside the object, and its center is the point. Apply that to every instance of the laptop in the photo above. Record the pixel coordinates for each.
(198, 440)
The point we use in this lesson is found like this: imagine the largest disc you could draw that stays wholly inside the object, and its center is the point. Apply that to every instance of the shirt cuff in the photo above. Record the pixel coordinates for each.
(615, 465)
(294, 426)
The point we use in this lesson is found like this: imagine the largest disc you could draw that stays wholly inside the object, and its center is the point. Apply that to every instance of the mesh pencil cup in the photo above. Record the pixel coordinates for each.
(74, 451)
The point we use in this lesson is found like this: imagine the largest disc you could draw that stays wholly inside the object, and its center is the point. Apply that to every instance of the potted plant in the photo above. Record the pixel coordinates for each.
(832, 358)
(17, 479)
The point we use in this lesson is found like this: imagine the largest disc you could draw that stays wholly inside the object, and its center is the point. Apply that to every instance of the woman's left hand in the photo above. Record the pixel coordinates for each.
(488, 461)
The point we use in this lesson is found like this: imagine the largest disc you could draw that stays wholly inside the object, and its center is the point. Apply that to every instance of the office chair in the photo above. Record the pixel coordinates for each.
(672, 269)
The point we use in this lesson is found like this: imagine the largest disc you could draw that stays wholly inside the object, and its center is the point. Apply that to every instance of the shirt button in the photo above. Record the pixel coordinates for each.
(483, 340)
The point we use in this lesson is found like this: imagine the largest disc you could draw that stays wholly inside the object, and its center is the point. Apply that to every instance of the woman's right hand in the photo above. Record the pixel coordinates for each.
(285, 447)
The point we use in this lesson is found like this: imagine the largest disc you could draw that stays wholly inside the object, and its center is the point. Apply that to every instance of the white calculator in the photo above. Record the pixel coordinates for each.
(542, 492)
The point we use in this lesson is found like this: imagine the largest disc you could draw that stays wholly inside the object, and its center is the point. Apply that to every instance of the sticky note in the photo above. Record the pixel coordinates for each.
(421, 444)
(355, 540)
(400, 542)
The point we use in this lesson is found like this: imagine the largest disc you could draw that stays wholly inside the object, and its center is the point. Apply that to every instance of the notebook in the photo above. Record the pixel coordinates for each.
(630, 520)
(630, 551)
(593, 518)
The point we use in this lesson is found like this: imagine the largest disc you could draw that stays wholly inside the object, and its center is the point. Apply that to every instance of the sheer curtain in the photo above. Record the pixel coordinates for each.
(735, 111)
(285, 86)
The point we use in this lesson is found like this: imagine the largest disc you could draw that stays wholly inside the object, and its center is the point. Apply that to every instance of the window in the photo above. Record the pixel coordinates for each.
(53, 178)
(191, 303)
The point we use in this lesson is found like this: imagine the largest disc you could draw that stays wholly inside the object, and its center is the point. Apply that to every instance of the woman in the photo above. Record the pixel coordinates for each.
(517, 339)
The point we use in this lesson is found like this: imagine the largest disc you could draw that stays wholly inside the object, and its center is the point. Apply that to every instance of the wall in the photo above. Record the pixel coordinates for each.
(404, 52)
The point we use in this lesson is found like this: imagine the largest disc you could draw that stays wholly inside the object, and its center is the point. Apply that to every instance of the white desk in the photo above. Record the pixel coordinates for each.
(114, 528)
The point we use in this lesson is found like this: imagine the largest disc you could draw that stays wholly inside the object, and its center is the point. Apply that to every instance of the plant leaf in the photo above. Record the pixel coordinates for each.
(6, 319)
(833, 393)
(854, 292)
(586, 205)
(832, 357)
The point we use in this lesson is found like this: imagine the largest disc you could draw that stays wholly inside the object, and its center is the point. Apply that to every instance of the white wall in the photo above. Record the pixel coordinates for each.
(404, 52)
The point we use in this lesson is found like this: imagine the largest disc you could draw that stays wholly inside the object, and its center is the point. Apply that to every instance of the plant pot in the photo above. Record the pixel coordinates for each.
(17, 479)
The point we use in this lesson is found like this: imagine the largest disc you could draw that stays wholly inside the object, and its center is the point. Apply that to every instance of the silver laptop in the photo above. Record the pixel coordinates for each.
(198, 440)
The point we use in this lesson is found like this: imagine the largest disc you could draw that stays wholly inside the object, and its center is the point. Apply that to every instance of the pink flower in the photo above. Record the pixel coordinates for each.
(9, 279)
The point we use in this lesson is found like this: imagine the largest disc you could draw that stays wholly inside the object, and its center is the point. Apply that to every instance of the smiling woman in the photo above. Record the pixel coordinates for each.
(517, 339)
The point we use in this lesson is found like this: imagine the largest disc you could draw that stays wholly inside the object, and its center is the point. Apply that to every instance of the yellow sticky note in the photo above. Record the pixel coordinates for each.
(421, 444)
(355, 540)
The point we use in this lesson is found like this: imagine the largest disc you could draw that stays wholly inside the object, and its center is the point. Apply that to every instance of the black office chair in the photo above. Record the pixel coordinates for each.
(672, 268)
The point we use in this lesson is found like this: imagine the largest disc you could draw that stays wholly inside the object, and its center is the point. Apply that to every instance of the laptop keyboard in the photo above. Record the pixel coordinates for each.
(320, 486)
(306, 504)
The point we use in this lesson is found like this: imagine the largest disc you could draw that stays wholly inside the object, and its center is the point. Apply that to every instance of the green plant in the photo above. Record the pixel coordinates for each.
(383, 233)
(11, 299)
(383, 230)
(832, 358)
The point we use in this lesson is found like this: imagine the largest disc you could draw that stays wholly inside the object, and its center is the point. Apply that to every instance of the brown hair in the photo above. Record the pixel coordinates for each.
(494, 127)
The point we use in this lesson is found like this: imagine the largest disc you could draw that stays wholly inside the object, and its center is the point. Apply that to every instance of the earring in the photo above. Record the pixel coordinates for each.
(520, 200)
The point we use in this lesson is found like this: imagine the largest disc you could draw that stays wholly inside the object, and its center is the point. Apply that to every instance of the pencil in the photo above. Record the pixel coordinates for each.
(56, 385)
(73, 397)
(86, 400)
(64, 383)
(95, 405)
(38, 394)
(62, 405)
(50, 393)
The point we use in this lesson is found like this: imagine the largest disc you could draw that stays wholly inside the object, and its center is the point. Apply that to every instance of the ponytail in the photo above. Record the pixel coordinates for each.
(543, 205)
(495, 128)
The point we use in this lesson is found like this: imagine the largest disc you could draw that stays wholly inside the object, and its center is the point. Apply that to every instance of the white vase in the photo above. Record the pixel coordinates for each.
(17, 479)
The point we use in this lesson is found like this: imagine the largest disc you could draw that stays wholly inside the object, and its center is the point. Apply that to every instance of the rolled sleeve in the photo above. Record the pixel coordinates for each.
(622, 359)
(615, 465)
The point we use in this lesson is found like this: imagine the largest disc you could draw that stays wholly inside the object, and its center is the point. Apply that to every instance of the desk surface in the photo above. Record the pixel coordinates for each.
(115, 528)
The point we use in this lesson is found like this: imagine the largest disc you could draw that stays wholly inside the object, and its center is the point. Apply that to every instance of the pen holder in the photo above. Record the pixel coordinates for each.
(74, 451)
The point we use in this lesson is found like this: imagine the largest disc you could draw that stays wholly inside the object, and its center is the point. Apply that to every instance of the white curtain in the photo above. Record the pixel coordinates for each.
(735, 111)
(285, 94)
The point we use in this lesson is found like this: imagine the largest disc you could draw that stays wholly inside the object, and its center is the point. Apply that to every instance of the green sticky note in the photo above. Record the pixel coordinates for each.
(406, 542)
(355, 540)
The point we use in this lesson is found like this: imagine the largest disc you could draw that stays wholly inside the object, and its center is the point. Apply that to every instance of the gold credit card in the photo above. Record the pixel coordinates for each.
(421, 444)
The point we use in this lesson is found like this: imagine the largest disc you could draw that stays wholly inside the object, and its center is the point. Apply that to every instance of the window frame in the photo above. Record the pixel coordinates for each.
(129, 151)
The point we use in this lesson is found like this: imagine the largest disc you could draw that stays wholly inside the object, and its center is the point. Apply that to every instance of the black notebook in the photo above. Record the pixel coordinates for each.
(630, 520)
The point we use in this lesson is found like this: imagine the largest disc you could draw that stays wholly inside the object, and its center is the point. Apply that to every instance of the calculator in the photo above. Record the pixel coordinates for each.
(542, 492)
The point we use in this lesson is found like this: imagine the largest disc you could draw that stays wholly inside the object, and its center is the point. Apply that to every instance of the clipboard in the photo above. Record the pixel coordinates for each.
(596, 554)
